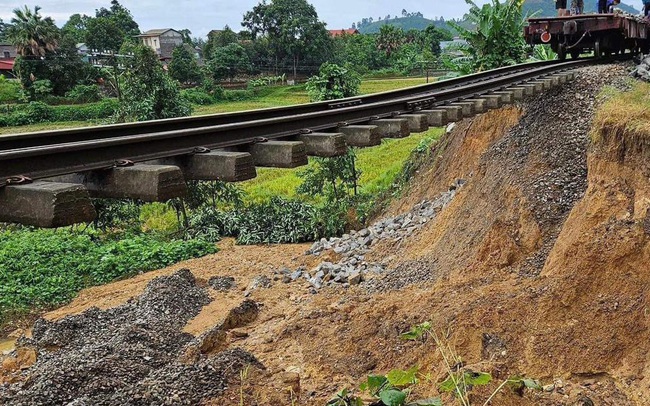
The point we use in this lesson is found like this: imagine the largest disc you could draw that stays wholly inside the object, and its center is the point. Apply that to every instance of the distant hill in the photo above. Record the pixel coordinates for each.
(405, 23)
(546, 8)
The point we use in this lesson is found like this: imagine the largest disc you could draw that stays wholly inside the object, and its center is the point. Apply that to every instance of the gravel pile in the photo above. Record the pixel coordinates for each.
(353, 268)
(642, 71)
(127, 355)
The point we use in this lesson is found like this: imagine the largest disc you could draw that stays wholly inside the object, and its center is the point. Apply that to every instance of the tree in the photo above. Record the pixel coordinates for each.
(336, 179)
(183, 66)
(292, 28)
(148, 93)
(219, 39)
(228, 61)
(122, 17)
(187, 36)
(75, 28)
(497, 39)
(31, 34)
(3, 30)
(390, 38)
(110, 28)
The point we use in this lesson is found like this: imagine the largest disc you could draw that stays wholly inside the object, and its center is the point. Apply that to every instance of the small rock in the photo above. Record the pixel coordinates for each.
(355, 278)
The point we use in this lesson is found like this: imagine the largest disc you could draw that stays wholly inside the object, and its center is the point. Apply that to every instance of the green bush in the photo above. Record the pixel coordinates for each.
(198, 96)
(278, 221)
(45, 268)
(84, 94)
(237, 95)
(38, 112)
(9, 90)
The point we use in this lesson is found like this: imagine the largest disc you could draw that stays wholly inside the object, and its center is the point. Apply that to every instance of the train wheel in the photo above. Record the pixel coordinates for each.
(598, 50)
(561, 52)
(575, 53)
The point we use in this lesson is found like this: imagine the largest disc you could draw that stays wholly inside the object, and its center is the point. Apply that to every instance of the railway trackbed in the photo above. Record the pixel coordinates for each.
(47, 178)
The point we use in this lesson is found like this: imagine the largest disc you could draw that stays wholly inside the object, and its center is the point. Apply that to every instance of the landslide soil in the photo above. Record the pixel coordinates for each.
(538, 267)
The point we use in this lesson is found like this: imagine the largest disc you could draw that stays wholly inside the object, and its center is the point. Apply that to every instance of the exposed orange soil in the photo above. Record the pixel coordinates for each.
(584, 320)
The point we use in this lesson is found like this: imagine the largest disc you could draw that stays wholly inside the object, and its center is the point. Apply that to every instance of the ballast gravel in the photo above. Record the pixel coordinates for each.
(128, 355)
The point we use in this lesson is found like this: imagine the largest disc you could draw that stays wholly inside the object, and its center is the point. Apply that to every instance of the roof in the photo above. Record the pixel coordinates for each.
(156, 32)
(349, 31)
(6, 64)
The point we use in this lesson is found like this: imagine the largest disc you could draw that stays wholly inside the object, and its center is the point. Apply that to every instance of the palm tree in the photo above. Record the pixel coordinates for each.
(31, 34)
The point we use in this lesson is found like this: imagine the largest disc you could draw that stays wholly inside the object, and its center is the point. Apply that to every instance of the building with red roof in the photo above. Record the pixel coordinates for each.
(338, 33)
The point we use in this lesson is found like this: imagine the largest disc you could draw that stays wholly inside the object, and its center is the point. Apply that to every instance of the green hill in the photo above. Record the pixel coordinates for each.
(405, 23)
(546, 8)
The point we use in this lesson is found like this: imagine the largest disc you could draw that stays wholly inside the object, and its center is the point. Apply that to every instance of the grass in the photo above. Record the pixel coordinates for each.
(379, 165)
(268, 97)
(624, 113)
(45, 127)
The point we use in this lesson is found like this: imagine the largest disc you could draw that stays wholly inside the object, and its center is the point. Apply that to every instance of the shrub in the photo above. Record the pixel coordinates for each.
(333, 82)
(237, 95)
(48, 267)
(9, 90)
(84, 94)
(38, 112)
(197, 96)
(278, 221)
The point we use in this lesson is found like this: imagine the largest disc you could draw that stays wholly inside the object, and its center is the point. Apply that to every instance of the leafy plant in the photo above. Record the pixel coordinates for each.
(460, 379)
(497, 37)
(335, 178)
(333, 82)
(43, 268)
(394, 388)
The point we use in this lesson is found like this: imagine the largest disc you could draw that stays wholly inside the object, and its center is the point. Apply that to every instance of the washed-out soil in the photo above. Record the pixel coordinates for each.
(537, 267)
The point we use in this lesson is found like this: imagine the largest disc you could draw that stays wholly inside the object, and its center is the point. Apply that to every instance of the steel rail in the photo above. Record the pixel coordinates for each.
(60, 158)
(14, 141)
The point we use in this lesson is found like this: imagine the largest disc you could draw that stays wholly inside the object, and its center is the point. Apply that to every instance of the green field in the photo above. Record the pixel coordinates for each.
(379, 166)
(269, 97)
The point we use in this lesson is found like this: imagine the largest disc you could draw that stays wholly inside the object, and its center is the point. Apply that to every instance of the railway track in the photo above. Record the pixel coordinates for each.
(47, 178)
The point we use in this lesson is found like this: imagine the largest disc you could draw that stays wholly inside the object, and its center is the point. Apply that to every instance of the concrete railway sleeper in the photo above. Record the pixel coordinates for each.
(157, 165)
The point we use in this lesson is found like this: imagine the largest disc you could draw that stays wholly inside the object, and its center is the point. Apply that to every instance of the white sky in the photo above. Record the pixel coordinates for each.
(201, 16)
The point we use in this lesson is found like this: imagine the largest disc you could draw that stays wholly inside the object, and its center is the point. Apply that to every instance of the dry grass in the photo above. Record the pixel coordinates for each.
(625, 114)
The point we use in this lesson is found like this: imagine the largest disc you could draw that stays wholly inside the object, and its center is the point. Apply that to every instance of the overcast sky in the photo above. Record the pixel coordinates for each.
(201, 16)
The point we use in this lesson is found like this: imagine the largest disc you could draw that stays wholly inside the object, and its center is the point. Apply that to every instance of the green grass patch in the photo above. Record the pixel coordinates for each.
(45, 268)
(380, 166)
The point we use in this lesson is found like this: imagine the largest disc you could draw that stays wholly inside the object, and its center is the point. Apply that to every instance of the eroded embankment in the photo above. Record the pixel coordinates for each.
(537, 266)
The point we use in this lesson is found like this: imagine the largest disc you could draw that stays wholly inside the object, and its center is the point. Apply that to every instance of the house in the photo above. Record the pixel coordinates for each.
(8, 55)
(162, 41)
(338, 33)
(7, 51)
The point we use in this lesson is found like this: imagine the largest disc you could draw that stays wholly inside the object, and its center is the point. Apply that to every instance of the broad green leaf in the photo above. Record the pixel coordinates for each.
(401, 378)
(477, 378)
(448, 385)
(427, 402)
(374, 384)
(531, 384)
(393, 397)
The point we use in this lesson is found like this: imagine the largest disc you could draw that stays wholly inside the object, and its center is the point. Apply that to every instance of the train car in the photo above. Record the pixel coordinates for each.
(604, 34)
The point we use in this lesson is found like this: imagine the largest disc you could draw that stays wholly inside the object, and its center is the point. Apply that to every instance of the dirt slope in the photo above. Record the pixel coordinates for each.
(538, 267)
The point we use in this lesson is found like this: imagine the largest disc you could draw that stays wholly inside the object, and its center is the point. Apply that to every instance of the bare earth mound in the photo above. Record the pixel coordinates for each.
(536, 263)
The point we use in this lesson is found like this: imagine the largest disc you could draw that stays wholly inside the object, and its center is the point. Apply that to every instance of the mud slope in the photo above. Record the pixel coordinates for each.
(538, 264)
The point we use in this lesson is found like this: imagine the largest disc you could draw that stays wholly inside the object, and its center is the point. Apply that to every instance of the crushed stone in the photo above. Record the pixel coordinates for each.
(127, 355)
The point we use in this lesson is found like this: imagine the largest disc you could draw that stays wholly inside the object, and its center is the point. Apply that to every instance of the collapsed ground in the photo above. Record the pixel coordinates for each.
(525, 240)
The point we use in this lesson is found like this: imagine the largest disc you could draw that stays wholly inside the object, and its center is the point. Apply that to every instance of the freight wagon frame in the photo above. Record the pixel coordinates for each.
(602, 34)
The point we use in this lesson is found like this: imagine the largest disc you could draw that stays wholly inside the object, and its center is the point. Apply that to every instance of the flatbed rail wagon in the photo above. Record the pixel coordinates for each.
(604, 34)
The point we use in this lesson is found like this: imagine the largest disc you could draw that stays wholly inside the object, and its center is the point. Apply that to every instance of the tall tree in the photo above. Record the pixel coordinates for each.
(292, 28)
(122, 17)
(110, 28)
(219, 39)
(183, 66)
(390, 39)
(148, 93)
(3, 30)
(228, 61)
(75, 27)
(31, 34)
